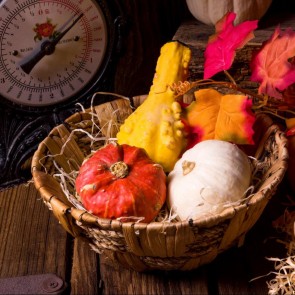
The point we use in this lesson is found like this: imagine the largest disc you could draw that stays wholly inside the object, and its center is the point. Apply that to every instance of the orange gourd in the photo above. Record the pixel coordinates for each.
(121, 181)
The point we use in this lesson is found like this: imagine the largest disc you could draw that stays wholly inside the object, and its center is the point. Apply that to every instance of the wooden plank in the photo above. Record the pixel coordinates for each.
(31, 240)
(85, 278)
(234, 271)
(119, 280)
(229, 274)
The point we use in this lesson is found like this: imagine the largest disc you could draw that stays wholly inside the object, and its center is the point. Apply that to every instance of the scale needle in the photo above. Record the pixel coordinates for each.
(47, 47)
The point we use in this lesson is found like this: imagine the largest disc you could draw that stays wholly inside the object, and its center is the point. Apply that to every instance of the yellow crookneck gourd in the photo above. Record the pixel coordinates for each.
(156, 124)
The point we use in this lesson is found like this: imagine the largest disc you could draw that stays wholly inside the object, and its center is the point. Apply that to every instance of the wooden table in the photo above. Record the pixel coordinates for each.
(33, 243)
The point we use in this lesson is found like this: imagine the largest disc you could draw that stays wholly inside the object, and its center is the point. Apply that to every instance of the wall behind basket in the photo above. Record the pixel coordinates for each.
(150, 24)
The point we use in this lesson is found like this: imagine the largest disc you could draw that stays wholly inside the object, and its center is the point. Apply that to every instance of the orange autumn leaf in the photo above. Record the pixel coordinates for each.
(202, 114)
(216, 116)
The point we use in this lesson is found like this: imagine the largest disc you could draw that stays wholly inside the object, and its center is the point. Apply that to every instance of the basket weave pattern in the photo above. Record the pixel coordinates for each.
(158, 245)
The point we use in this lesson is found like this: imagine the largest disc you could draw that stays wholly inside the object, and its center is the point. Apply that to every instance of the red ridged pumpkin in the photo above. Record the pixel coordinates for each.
(121, 181)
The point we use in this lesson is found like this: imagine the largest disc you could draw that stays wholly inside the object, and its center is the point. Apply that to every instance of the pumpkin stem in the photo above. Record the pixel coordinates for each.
(187, 167)
(119, 169)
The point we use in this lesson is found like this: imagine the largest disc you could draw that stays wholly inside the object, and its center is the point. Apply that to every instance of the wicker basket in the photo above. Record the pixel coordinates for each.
(158, 245)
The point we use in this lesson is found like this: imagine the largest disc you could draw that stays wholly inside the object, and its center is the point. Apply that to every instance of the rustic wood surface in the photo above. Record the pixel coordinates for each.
(85, 277)
(121, 281)
(32, 241)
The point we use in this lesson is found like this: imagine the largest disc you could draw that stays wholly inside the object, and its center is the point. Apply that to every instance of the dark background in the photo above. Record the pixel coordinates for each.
(151, 23)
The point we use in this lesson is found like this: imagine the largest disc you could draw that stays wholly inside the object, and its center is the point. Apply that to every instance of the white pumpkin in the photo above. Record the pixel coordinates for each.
(208, 177)
(211, 11)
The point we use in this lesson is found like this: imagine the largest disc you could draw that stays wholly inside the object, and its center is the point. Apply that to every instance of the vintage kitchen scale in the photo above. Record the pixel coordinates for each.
(54, 54)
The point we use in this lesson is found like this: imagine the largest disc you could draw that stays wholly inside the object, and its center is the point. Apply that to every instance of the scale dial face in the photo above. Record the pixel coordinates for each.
(50, 49)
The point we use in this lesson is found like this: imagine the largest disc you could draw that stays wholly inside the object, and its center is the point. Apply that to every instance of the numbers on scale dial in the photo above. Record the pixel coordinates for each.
(49, 49)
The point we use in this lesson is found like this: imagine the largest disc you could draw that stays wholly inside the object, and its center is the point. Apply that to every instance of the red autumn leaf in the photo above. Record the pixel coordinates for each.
(270, 65)
(220, 51)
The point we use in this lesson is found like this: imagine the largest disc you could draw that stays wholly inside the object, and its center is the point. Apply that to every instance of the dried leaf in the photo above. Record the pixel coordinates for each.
(220, 51)
(271, 66)
(216, 116)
